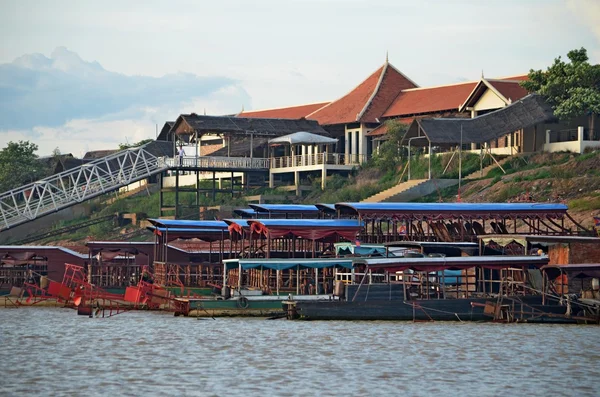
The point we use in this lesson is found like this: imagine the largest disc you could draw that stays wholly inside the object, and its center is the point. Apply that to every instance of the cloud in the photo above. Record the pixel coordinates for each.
(76, 105)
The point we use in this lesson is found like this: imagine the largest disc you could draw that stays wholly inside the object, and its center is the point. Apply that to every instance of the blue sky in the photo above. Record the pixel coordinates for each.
(82, 75)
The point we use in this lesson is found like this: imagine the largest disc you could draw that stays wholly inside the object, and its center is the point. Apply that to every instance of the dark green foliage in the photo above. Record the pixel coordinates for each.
(573, 88)
(390, 152)
(123, 146)
(19, 165)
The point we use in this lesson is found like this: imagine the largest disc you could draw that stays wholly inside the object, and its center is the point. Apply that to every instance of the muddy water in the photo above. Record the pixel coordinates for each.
(46, 351)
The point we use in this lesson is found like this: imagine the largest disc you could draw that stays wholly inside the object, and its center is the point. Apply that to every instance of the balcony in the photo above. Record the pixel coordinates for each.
(318, 160)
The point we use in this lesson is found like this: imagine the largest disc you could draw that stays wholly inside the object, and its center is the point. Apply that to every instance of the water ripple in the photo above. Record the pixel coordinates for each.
(55, 352)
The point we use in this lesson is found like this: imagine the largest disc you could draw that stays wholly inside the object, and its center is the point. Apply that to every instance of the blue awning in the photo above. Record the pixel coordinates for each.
(284, 208)
(473, 209)
(185, 223)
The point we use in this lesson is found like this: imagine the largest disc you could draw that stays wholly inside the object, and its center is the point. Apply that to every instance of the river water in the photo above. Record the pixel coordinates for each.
(49, 351)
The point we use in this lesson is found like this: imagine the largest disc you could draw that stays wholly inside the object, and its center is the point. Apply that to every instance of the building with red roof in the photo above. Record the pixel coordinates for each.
(357, 118)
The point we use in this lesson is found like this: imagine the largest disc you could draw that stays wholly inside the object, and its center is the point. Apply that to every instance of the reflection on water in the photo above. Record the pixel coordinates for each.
(48, 351)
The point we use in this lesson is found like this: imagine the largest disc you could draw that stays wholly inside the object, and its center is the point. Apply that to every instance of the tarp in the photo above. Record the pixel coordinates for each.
(283, 264)
(311, 229)
(302, 138)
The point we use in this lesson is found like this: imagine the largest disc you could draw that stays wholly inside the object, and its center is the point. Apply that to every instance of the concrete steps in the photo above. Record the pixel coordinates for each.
(388, 194)
(410, 190)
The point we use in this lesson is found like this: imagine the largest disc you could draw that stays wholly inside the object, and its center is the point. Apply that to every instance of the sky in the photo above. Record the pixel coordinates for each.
(89, 75)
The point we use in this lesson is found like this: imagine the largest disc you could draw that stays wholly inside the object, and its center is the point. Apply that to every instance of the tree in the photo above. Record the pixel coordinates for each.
(123, 146)
(571, 88)
(389, 154)
(19, 165)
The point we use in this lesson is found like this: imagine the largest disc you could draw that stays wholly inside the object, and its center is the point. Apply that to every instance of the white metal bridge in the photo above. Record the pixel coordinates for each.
(98, 177)
(76, 185)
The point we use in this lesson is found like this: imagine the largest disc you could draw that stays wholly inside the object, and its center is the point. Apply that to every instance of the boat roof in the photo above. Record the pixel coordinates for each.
(581, 270)
(283, 264)
(186, 223)
(311, 229)
(285, 208)
(395, 264)
(441, 210)
(504, 239)
(174, 233)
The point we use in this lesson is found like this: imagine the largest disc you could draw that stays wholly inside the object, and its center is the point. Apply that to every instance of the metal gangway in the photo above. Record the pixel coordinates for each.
(77, 185)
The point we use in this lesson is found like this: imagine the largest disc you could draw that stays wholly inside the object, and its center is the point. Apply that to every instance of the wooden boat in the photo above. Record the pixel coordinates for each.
(486, 288)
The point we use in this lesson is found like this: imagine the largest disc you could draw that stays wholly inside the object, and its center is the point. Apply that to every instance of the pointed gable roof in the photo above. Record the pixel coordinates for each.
(367, 101)
(507, 90)
(290, 112)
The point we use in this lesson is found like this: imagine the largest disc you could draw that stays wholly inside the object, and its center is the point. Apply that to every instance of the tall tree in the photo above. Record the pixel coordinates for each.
(389, 155)
(572, 88)
(19, 165)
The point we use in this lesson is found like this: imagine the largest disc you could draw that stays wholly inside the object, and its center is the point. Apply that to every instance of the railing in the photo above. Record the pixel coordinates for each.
(318, 159)
(208, 162)
(76, 185)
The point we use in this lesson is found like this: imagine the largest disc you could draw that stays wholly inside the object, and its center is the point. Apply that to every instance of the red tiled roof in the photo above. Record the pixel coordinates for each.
(520, 77)
(290, 112)
(367, 101)
(509, 89)
(427, 100)
(383, 129)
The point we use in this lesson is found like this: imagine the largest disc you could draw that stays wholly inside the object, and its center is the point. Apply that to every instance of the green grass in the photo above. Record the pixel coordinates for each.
(585, 204)
(587, 156)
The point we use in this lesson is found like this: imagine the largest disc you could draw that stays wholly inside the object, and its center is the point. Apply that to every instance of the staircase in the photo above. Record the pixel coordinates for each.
(483, 173)
(389, 194)
(76, 185)
(411, 190)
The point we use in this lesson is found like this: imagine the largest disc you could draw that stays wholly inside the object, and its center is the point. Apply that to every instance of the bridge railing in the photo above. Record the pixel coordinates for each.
(76, 185)
(209, 162)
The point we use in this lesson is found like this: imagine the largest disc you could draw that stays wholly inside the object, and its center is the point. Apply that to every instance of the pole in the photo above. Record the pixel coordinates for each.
(409, 158)
(429, 160)
(460, 161)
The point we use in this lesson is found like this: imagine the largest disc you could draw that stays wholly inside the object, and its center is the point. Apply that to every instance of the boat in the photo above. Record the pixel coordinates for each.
(499, 288)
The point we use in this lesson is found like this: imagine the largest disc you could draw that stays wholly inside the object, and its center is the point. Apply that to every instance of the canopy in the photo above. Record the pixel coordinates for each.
(326, 208)
(188, 224)
(362, 250)
(451, 263)
(311, 229)
(174, 233)
(443, 210)
(583, 270)
(283, 264)
(302, 138)
(285, 208)
(247, 212)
